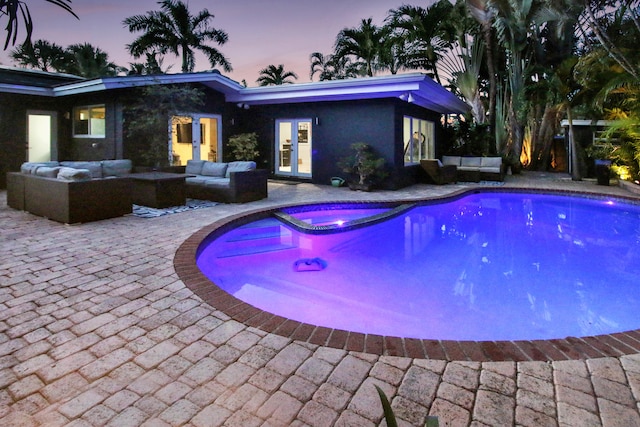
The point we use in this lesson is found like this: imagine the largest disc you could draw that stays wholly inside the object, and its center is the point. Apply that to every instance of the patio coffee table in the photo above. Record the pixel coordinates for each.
(158, 189)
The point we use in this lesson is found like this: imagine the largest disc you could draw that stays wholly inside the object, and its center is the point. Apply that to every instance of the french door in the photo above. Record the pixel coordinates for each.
(294, 144)
(195, 136)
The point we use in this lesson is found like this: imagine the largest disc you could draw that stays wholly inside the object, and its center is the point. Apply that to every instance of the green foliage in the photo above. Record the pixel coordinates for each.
(147, 120)
(174, 29)
(275, 76)
(390, 417)
(471, 139)
(244, 146)
(12, 9)
(364, 164)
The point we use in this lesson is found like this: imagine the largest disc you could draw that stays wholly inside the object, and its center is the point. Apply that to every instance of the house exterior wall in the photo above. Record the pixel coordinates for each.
(377, 122)
(13, 129)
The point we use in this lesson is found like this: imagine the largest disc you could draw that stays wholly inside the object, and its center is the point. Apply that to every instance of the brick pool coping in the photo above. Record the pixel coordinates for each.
(570, 348)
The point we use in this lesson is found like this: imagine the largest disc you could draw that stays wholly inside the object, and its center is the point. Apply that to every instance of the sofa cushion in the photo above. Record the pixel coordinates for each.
(470, 161)
(451, 160)
(214, 169)
(73, 174)
(194, 167)
(30, 167)
(239, 167)
(47, 171)
(94, 167)
(492, 162)
(195, 180)
(116, 167)
(217, 183)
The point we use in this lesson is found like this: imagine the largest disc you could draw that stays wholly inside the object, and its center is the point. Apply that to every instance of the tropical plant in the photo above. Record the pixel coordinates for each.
(152, 66)
(244, 146)
(362, 44)
(41, 55)
(427, 33)
(484, 14)
(174, 29)
(363, 164)
(517, 23)
(390, 417)
(331, 67)
(13, 9)
(276, 75)
(89, 61)
(147, 117)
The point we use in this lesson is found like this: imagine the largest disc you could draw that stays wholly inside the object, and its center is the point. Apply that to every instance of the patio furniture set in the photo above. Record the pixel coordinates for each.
(464, 168)
(84, 191)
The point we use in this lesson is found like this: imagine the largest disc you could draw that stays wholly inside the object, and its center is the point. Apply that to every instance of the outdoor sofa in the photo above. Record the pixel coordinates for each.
(439, 173)
(72, 192)
(233, 182)
(476, 169)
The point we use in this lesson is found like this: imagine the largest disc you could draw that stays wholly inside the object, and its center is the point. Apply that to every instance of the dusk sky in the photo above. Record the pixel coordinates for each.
(260, 32)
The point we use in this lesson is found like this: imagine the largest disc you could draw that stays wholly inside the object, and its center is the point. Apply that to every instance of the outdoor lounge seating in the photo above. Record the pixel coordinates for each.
(72, 192)
(439, 173)
(476, 169)
(233, 182)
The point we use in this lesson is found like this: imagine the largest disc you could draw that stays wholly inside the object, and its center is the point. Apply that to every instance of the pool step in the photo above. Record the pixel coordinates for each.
(252, 250)
(260, 237)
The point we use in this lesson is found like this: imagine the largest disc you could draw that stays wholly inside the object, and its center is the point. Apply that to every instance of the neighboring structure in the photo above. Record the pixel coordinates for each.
(586, 134)
(304, 129)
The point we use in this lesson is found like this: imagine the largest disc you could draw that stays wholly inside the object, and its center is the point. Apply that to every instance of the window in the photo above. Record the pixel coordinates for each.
(89, 121)
(419, 140)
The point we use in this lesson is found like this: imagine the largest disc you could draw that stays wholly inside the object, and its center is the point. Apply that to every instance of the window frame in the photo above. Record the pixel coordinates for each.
(89, 108)
(424, 127)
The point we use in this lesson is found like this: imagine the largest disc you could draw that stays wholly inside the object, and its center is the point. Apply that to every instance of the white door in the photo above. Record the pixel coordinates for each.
(294, 144)
(42, 133)
(196, 136)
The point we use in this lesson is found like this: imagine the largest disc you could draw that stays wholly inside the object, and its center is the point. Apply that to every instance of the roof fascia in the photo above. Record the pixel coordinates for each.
(422, 89)
(26, 90)
(213, 80)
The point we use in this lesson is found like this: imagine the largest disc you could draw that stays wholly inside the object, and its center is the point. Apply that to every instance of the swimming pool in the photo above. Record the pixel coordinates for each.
(487, 266)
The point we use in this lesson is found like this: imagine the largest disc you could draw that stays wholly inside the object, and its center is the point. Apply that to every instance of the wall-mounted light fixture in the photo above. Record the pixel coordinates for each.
(242, 105)
(317, 121)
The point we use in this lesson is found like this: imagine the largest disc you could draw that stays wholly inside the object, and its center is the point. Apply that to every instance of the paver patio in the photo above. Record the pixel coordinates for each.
(97, 329)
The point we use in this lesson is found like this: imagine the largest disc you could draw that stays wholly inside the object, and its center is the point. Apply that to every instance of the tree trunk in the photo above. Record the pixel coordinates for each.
(493, 84)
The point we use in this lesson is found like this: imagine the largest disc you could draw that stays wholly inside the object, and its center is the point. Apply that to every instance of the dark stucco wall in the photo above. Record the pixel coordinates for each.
(376, 122)
(13, 129)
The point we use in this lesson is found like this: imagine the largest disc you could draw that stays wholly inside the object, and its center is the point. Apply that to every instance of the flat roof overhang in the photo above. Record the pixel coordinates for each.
(413, 88)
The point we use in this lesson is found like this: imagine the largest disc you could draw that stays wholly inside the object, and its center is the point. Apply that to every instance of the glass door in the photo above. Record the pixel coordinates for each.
(41, 136)
(195, 137)
(293, 147)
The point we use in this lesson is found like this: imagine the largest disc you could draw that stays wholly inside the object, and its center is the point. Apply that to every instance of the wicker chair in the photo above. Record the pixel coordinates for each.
(438, 173)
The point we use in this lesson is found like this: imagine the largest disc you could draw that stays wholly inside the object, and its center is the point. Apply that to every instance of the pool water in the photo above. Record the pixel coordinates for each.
(487, 266)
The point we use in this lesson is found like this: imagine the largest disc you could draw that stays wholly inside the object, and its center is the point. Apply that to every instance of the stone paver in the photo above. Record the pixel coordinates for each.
(96, 328)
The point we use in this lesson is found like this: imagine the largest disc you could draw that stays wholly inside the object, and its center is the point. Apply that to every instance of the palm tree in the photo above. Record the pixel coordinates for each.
(13, 8)
(484, 14)
(330, 67)
(362, 43)
(515, 23)
(274, 76)
(41, 55)
(173, 29)
(88, 61)
(427, 31)
(152, 66)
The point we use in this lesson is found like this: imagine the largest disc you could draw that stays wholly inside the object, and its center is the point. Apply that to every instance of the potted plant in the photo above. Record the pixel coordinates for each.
(366, 169)
(601, 155)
